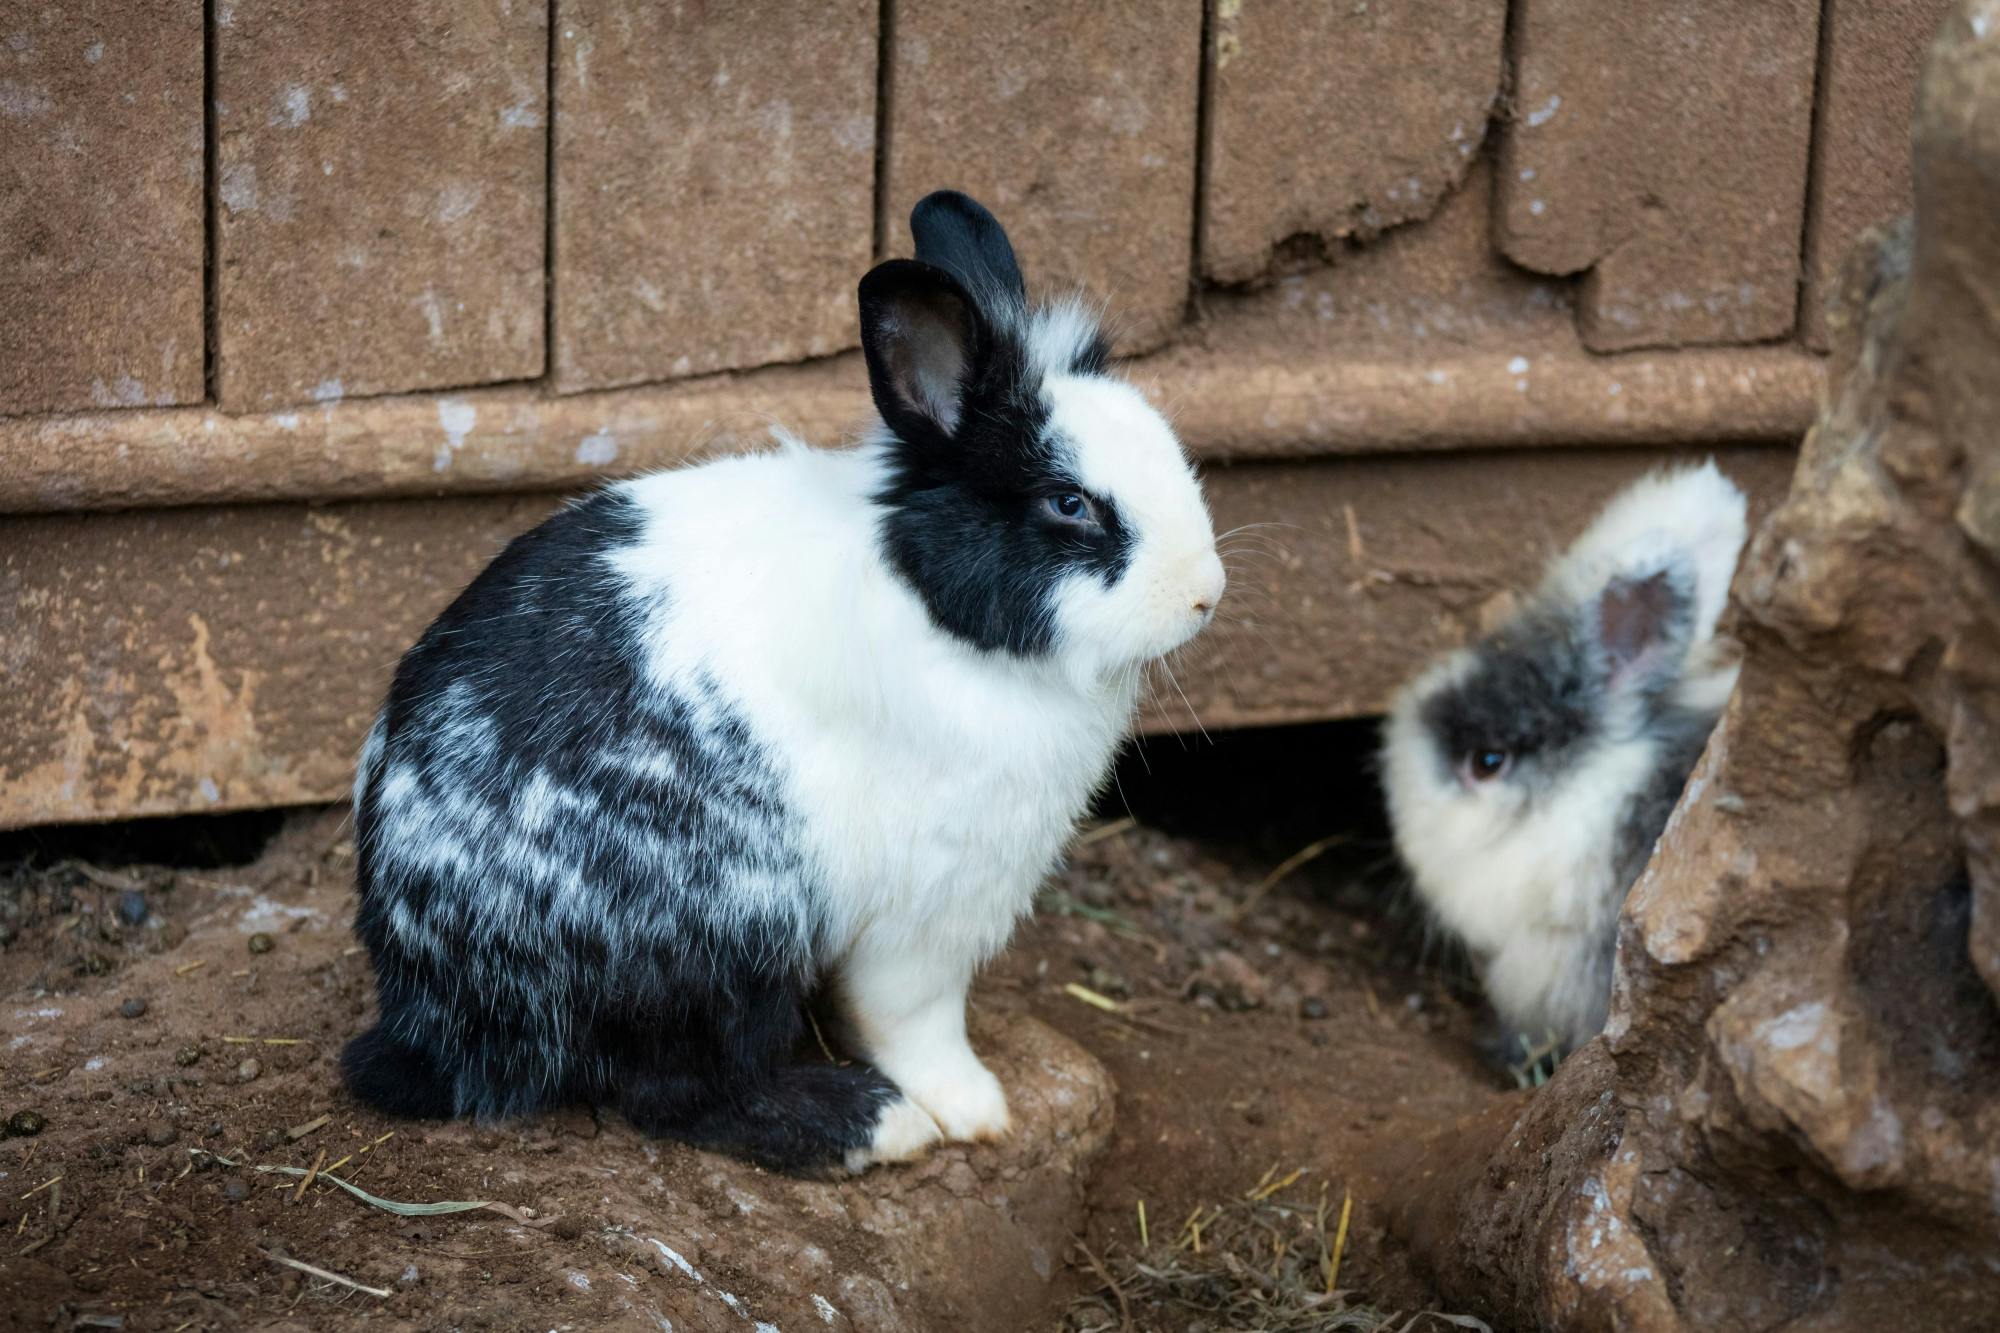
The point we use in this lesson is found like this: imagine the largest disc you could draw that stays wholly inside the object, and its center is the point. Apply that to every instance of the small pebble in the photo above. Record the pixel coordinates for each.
(214, 1130)
(132, 907)
(259, 943)
(411, 1277)
(270, 1139)
(247, 1071)
(132, 1008)
(26, 1123)
(187, 1055)
(1313, 1007)
(236, 1189)
(159, 1133)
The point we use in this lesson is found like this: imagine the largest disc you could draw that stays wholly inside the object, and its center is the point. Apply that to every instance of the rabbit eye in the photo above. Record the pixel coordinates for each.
(1070, 507)
(1486, 765)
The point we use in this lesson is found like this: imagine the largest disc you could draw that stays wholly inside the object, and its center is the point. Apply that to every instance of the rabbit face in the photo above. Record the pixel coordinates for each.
(1037, 505)
(1129, 469)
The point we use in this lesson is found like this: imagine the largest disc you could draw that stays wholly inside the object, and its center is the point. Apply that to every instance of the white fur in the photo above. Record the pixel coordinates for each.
(1527, 881)
(903, 1132)
(1691, 513)
(936, 783)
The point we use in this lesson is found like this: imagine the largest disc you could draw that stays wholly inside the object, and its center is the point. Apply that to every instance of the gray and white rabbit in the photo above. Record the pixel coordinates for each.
(709, 742)
(1530, 774)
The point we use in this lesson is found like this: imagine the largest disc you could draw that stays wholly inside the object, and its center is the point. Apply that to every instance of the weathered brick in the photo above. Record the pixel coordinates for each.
(210, 658)
(1340, 120)
(1661, 147)
(380, 201)
(100, 204)
(1074, 123)
(1872, 52)
(715, 172)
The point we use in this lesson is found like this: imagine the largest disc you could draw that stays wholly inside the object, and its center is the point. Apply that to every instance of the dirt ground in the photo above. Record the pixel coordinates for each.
(161, 1024)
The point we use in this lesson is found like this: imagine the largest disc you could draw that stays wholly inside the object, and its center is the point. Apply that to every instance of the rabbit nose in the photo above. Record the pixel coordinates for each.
(1210, 592)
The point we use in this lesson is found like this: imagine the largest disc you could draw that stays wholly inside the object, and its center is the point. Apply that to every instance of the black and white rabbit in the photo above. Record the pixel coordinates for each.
(711, 739)
(1530, 774)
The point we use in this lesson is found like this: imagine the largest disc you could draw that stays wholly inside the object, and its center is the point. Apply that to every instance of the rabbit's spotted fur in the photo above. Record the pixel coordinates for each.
(1530, 774)
(711, 740)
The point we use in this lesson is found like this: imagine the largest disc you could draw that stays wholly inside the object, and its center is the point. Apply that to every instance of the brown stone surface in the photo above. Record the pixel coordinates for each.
(1871, 51)
(1075, 124)
(100, 205)
(715, 176)
(1661, 149)
(200, 659)
(1375, 565)
(1339, 121)
(1794, 1118)
(1423, 341)
(379, 196)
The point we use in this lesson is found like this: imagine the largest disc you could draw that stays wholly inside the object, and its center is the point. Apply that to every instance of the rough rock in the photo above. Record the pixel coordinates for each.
(1870, 57)
(1794, 1116)
(1074, 123)
(380, 169)
(969, 1238)
(101, 248)
(1661, 150)
(714, 194)
(1339, 120)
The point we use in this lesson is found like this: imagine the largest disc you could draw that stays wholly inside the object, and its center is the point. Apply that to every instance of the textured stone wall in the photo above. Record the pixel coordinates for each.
(598, 193)
(261, 256)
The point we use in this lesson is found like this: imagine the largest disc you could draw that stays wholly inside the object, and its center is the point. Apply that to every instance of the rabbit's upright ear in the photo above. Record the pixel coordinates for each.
(954, 232)
(1644, 627)
(923, 337)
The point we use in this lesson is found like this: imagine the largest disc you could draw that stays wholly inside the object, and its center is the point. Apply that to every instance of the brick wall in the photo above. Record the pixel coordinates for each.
(387, 198)
(438, 259)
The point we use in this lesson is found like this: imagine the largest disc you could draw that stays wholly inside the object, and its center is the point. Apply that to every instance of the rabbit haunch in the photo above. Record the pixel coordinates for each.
(1530, 774)
(711, 740)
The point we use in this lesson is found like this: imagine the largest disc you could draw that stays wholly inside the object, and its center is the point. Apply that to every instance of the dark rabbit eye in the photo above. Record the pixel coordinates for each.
(1070, 507)
(1485, 765)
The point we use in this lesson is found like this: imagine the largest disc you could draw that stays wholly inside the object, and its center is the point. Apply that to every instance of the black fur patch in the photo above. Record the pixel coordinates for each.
(563, 870)
(963, 513)
(1535, 692)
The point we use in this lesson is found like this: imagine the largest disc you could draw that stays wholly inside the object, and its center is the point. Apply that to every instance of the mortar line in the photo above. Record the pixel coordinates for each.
(885, 79)
(211, 215)
(1204, 128)
(1809, 209)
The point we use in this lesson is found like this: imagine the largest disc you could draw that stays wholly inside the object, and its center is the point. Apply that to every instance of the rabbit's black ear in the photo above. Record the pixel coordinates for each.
(954, 232)
(1643, 627)
(922, 336)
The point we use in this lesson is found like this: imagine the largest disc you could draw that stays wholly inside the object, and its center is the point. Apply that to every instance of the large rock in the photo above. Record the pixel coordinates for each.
(1795, 1116)
(1339, 120)
(379, 208)
(714, 192)
(969, 1238)
(1074, 123)
(1660, 149)
(101, 247)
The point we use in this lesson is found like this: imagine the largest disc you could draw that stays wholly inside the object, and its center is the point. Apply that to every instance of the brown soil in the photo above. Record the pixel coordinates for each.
(1291, 1040)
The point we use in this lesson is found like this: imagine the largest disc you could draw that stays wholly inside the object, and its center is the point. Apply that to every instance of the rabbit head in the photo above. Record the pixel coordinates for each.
(1038, 504)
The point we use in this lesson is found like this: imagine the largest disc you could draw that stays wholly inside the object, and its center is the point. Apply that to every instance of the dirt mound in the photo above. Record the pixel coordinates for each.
(176, 1030)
